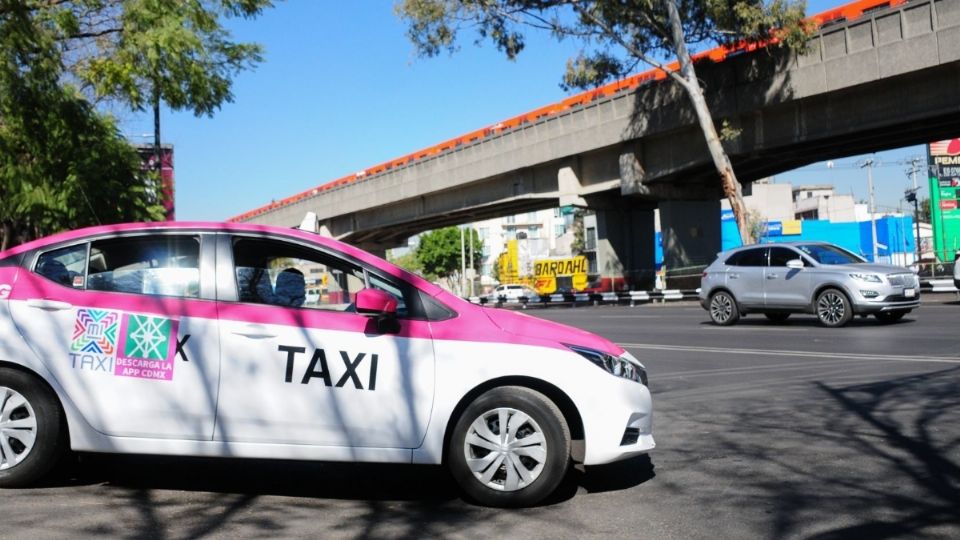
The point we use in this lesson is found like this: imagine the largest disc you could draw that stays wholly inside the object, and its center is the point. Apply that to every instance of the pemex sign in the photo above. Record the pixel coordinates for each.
(944, 160)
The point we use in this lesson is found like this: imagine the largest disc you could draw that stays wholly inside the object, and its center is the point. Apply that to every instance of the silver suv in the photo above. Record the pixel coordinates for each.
(805, 277)
(956, 271)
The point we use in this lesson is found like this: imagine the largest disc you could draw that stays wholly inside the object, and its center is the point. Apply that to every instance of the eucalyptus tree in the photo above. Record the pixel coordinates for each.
(617, 36)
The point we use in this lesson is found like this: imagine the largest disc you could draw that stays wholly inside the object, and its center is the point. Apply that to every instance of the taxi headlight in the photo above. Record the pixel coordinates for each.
(617, 366)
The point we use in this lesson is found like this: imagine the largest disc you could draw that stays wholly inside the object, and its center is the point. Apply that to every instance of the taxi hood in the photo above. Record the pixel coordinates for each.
(523, 325)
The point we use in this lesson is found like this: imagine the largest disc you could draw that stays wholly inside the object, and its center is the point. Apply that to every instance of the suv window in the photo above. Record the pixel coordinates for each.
(780, 255)
(285, 274)
(65, 266)
(157, 265)
(749, 257)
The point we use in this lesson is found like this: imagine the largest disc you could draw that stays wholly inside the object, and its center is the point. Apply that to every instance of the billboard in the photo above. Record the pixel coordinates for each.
(149, 162)
(943, 158)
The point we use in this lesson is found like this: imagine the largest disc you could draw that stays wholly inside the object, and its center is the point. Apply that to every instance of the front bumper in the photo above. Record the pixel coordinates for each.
(892, 300)
(619, 425)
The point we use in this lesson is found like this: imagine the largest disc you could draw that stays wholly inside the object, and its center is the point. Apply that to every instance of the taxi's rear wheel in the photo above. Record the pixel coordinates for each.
(509, 448)
(32, 429)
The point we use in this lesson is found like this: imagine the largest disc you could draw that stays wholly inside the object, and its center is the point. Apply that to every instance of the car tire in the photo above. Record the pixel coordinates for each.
(525, 470)
(833, 308)
(888, 317)
(777, 317)
(723, 309)
(33, 432)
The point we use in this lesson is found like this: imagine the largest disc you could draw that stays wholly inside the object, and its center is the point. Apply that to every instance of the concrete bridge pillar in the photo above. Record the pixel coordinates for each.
(624, 248)
(691, 239)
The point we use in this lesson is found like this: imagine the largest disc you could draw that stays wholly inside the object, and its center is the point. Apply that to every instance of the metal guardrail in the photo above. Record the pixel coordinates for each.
(631, 298)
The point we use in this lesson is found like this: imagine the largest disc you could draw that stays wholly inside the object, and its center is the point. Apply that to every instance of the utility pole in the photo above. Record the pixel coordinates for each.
(473, 276)
(463, 264)
(868, 163)
(913, 195)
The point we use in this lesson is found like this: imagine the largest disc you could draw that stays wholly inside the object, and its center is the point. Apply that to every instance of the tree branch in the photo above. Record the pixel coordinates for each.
(637, 53)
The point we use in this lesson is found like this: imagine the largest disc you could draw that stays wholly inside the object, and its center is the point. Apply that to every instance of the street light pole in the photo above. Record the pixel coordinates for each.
(463, 264)
(873, 222)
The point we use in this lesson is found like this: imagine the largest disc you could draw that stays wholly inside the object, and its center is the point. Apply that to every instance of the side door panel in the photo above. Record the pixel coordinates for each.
(745, 279)
(327, 379)
(783, 286)
(297, 375)
(135, 365)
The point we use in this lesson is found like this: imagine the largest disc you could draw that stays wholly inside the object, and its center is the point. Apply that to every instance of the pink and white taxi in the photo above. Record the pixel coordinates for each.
(209, 339)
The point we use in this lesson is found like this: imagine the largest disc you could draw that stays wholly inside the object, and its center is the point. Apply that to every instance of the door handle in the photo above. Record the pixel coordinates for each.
(771, 276)
(734, 276)
(254, 331)
(48, 305)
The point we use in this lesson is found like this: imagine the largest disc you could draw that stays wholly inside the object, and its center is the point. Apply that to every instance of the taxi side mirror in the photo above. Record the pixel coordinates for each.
(795, 264)
(375, 302)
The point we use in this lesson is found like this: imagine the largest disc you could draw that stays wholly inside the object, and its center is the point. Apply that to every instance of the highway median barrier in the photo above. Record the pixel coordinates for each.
(631, 298)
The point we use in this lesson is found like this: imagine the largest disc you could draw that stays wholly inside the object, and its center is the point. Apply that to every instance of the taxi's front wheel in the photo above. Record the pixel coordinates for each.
(510, 448)
(32, 429)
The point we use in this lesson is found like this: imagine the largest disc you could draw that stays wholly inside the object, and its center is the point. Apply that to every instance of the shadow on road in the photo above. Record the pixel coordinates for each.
(384, 500)
(878, 460)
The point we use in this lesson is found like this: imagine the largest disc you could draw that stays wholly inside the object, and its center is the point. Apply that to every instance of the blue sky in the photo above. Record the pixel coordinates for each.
(341, 90)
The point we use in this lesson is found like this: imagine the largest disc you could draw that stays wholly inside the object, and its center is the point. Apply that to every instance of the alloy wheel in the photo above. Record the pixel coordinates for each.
(831, 308)
(721, 308)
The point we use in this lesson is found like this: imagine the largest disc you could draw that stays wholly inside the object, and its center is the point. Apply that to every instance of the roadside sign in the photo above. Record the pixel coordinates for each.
(944, 160)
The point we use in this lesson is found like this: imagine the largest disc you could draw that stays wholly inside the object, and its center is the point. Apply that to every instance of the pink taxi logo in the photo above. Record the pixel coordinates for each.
(5, 291)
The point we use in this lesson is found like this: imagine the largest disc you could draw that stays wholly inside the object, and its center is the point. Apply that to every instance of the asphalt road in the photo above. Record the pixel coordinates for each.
(763, 431)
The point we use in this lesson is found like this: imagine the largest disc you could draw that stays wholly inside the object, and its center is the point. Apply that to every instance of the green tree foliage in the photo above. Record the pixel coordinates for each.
(139, 51)
(439, 251)
(62, 165)
(615, 37)
(410, 263)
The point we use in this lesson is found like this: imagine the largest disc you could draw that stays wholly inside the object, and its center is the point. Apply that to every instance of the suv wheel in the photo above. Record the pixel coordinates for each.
(833, 308)
(510, 448)
(723, 309)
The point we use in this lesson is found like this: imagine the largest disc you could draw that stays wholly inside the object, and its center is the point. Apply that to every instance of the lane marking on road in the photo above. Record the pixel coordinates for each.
(638, 316)
(803, 354)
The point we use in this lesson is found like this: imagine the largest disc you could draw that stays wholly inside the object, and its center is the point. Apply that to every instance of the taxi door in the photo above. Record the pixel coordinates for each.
(307, 369)
(122, 325)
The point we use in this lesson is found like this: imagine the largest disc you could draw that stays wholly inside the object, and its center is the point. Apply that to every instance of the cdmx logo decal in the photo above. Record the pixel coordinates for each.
(125, 345)
(147, 337)
(95, 331)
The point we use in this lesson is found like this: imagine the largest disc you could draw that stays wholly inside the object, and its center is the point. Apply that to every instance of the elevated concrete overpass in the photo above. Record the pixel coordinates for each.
(876, 76)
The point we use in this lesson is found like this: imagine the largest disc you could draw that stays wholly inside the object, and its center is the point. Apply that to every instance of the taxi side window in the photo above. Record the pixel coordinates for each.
(159, 265)
(282, 274)
(64, 266)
